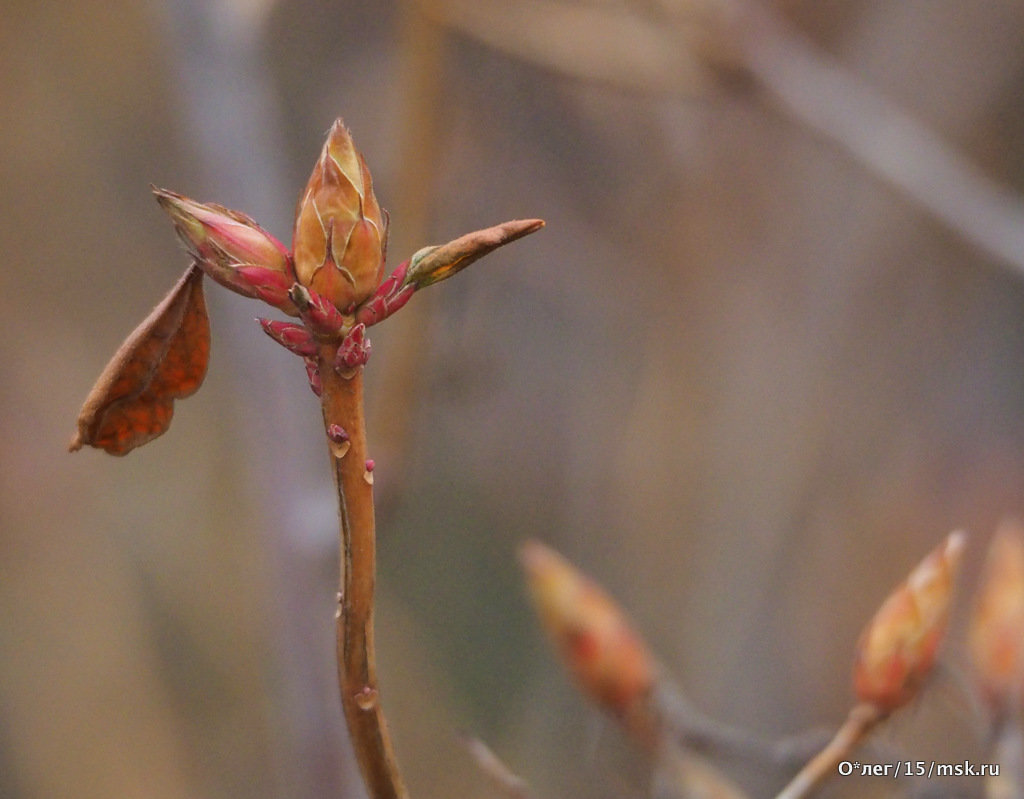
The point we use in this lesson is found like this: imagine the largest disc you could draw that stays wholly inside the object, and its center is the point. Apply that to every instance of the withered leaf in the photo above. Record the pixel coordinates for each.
(163, 359)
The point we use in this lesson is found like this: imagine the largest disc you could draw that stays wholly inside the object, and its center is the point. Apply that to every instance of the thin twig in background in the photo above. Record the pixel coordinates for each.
(696, 731)
(686, 49)
(507, 781)
(885, 140)
(862, 719)
(679, 774)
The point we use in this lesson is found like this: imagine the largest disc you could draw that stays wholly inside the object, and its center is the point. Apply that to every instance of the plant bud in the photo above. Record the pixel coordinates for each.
(316, 311)
(897, 649)
(340, 230)
(389, 296)
(294, 338)
(354, 350)
(611, 663)
(996, 634)
(232, 249)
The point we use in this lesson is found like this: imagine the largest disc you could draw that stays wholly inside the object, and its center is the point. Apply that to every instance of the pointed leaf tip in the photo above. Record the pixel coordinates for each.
(434, 264)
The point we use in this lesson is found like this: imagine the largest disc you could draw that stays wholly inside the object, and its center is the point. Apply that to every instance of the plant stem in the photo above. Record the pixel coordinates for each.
(342, 401)
(858, 724)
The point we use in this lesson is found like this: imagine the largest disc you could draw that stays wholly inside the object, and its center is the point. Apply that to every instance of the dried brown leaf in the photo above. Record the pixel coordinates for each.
(163, 359)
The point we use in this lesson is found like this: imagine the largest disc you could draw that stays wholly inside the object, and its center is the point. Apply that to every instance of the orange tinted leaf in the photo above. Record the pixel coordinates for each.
(163, 359)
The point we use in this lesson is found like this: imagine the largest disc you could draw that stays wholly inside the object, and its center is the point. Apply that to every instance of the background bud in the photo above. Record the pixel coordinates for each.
(611, 663)
(340, 230)
(996, 633)
(897, 648)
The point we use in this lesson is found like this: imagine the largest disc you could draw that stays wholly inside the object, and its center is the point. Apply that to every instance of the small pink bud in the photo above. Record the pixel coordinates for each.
(337, 433)
(340, 230)
(321, 316)
(338, 438)
(294, 338)
(897, 649)
(369, 464)
(232, 249)
(354, 350)
(389, 297)
(394, 281)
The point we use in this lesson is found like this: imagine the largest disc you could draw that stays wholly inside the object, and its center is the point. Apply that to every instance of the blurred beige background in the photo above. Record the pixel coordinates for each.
(738, 378)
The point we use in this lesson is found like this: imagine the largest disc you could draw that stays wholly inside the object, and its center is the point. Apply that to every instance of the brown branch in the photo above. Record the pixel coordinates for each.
(342, 400)
(693, 730)
(862, 719)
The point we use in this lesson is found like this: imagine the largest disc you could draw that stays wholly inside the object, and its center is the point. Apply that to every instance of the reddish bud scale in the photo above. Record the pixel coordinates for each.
(394, 281)
(386, 300)
(370, 464)
(354, 350)
(294, 338)
(320, 315)
(313, 374)
(268, 285)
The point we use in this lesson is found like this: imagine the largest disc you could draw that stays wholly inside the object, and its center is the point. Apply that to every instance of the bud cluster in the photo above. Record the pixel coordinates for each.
(332, 277)
(338, 246)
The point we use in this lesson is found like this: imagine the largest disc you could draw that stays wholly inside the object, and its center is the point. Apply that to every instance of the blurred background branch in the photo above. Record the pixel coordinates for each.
(689, 47)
